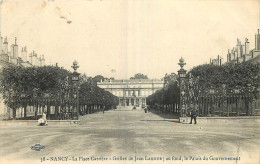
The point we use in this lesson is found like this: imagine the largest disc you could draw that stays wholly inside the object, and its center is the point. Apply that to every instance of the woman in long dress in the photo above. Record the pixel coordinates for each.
(43, 121)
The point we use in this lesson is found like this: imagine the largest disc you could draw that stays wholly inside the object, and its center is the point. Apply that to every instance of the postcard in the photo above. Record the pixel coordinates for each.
(128, 81)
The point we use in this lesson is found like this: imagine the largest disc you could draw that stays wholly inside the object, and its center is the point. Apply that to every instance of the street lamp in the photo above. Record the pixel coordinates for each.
(182, 82)
(75, 80)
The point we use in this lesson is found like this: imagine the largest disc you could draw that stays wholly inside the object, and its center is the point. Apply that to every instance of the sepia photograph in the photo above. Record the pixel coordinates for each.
(130, 81)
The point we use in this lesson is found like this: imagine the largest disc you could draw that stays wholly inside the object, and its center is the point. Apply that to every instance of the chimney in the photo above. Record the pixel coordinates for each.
(15, 49)
(31, 58)
(228, 56)
(12, 51)
(24, 54)
(1, 43)
(258, 41)
(238, 48)
(42, 61)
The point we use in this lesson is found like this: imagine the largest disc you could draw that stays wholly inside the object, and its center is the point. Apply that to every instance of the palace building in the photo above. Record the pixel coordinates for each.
(132, 92)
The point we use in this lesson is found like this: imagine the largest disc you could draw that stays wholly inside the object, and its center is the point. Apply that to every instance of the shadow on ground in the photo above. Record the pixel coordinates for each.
(165, 115)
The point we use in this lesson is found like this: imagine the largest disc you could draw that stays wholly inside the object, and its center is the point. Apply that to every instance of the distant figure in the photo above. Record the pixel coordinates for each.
(148, 108)
(134, 108)
(43, 121)
(103, 109)
(145, 109)
(193, 115)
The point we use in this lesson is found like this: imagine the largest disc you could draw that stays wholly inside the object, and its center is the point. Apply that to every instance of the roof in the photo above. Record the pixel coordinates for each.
(132, 81)
(255, 59)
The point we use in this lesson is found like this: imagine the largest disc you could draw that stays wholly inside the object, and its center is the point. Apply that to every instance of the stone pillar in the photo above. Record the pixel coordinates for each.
(134, 101)
(238, 48)
(15, 50)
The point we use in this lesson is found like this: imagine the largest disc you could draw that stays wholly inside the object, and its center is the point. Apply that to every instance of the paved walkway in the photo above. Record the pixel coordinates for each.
(124, 132)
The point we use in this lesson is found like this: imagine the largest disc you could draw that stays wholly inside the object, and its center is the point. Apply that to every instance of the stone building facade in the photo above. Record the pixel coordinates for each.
(10, 55)
(13, 56)
(132, 92)
(241, 52)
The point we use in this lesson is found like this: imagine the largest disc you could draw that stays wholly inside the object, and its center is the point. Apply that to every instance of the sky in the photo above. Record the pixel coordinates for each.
(119, 38)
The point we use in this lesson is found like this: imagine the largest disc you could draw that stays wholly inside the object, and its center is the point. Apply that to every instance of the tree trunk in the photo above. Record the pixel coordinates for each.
(236, 107)
(14, 113)
(36, 111)
(48, 110)
(25, 110)
(56, 110)
(247, 106)
(227, 106)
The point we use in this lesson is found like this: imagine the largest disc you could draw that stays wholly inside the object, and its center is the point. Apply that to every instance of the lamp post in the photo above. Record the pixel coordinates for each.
(75, 80)
(64, 98)
(182, 83)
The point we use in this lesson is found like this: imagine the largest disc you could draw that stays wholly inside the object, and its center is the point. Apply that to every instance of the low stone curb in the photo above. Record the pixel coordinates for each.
(35, 122)
(220, 119)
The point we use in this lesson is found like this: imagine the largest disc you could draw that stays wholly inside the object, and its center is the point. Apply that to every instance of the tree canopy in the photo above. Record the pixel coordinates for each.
(167, 95)
(33, 83)
(139, 76)
(242, 75)
(91, 94)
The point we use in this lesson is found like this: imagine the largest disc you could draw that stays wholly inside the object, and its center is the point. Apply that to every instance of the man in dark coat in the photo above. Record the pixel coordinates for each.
(193, 115)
